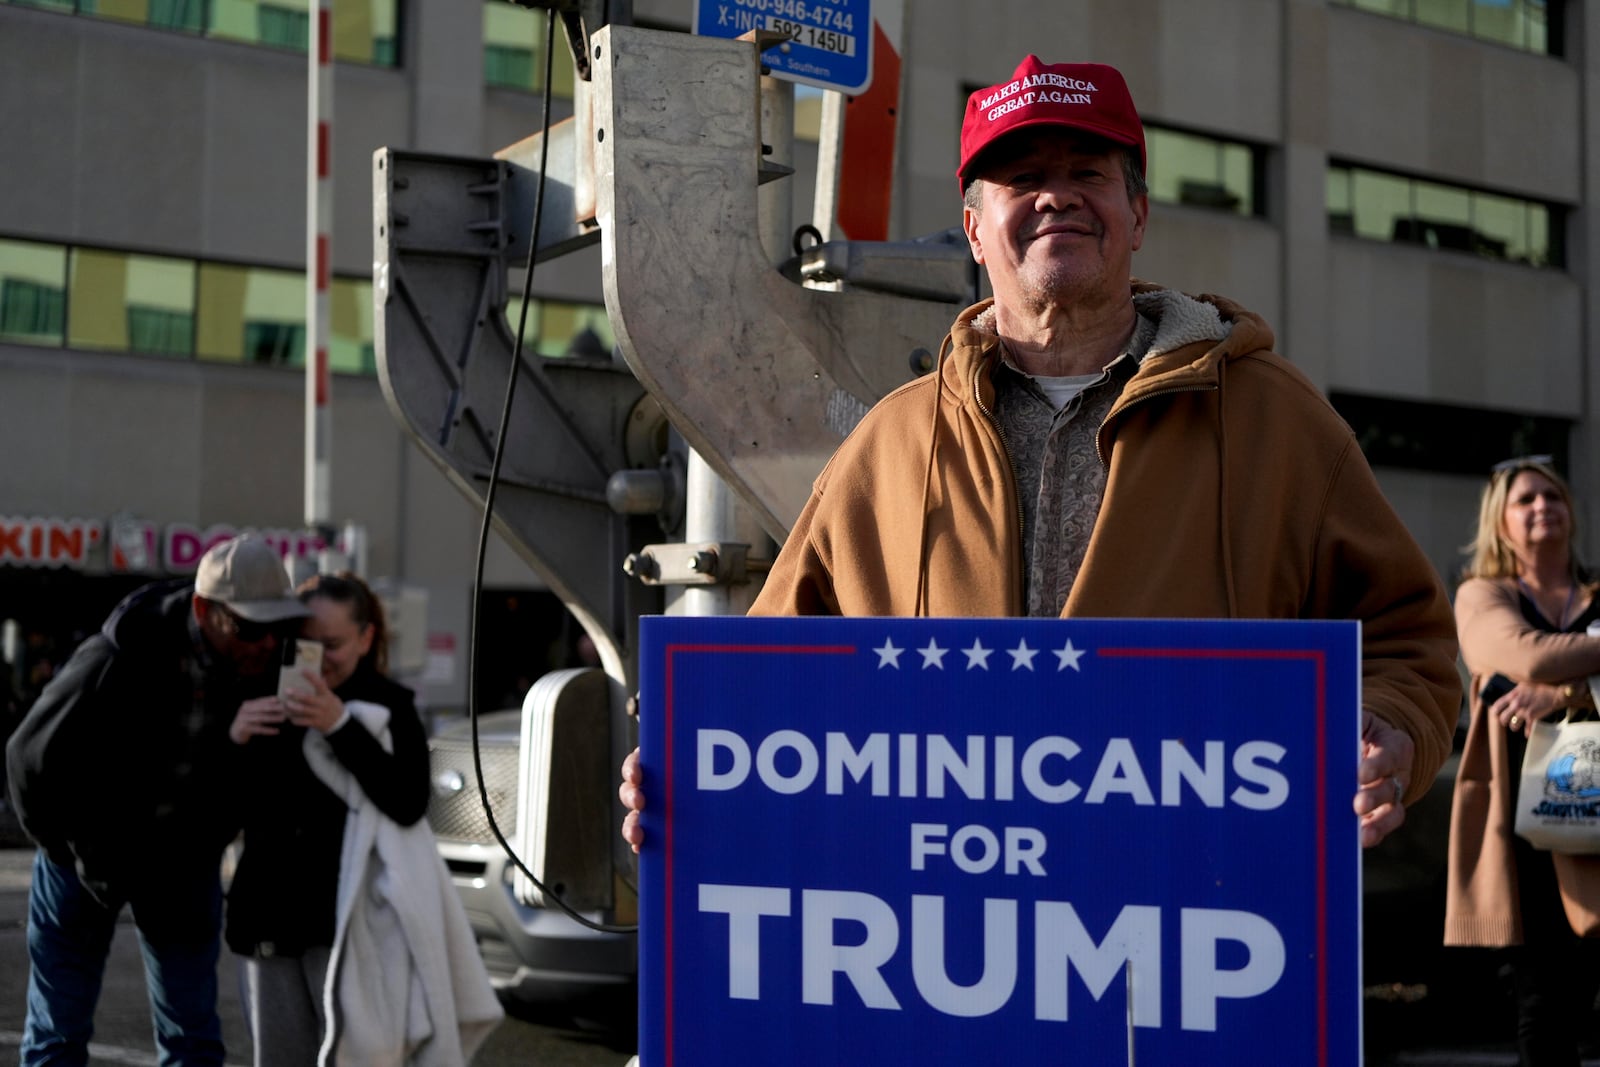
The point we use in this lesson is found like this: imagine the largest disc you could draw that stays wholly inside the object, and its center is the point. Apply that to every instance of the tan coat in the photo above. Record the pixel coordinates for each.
(1233, 491)
(1481, 903)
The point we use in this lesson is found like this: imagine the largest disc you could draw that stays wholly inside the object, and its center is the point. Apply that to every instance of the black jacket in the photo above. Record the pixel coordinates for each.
(282, 899)
(123, 770)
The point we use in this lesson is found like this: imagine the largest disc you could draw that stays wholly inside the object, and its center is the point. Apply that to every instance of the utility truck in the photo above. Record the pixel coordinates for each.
(653, 479)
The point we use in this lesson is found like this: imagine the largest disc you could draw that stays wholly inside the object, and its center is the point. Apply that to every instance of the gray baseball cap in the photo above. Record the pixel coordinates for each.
(247, 576)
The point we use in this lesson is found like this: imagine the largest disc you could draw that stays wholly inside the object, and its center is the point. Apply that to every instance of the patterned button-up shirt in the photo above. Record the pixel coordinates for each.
(1060, 478)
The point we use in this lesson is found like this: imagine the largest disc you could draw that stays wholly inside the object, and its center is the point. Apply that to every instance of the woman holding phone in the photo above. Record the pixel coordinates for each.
(283, 898)
(1522, 613)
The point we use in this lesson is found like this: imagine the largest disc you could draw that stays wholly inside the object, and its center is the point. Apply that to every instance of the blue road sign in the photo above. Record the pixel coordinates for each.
(830, 42)
(999, 841)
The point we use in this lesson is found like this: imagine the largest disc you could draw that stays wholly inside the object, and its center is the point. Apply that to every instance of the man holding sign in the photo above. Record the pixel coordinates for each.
(1089, 448)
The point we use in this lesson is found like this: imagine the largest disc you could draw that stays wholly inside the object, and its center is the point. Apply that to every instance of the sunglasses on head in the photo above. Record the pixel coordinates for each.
(1522, 461)
(244, 630)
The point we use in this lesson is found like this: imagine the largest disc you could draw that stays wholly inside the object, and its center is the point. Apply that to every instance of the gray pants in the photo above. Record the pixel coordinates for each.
(283, 1007)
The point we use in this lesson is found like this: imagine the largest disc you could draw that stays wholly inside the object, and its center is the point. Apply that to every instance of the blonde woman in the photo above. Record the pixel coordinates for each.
(1521, 612)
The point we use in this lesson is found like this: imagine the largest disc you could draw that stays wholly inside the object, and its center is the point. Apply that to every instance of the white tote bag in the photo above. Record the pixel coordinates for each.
(1558, 798)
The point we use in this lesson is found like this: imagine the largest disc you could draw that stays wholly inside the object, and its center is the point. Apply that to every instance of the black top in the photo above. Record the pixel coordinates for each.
(123, 769)
(284, 891)
(1543, 915)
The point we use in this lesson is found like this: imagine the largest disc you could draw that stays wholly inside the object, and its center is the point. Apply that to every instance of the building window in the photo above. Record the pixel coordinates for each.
(30, 311)
(807, 113)
(1200, 171)
(558, 328)
(509, 66)
(512, 39)
(1391, 207)
(1529, 25)
(160, 331)
(168, 15)
(252, 314)
(351, 345)
(277, 343)
(33, 293)
(283, 26)
(186, 15)
(1446, 438)
(132, 303)
(160, 305)
(363, 30)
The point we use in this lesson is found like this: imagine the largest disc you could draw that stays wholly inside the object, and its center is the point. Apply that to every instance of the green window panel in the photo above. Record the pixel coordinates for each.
(283, 27)
(275, 343)
(186, 15)
(33, 292)
(161, 305)
(1391, 207)
(556, 328)
(1200, 171)
(350, 336)
(512, 39)
(1521, 24)
(251, 314)
(104, 288)
(364, 31)
(508, 66)
(31, 312)
(159, 332)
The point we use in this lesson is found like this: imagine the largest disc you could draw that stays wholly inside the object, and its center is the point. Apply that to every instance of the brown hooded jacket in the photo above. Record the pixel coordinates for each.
(1233, 490)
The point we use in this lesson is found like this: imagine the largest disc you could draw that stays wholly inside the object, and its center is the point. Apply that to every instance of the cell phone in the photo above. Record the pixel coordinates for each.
(1496, 687)
(299, 656)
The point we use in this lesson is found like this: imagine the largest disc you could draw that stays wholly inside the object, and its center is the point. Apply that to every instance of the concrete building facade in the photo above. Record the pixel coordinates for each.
(1401, 187)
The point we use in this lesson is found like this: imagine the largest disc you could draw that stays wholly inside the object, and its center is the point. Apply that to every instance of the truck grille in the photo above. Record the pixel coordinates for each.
(456, 814)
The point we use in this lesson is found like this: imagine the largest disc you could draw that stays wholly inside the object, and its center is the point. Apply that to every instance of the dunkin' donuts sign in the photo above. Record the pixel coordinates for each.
(128, 546)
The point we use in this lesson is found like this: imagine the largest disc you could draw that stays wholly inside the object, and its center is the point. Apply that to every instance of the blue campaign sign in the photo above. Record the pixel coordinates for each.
(998, 841)
(830, 42)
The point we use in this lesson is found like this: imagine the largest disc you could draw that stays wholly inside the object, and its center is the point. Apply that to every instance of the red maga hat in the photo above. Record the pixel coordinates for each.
(1091, 97)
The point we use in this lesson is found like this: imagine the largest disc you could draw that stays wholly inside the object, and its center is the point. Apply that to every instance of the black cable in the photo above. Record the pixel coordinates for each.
(488, 512)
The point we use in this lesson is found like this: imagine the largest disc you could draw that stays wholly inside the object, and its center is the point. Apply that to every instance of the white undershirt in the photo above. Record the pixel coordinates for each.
(1062, 389)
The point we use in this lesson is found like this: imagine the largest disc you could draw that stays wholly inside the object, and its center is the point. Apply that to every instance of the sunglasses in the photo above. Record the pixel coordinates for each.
(243, 630)
(1522, 461)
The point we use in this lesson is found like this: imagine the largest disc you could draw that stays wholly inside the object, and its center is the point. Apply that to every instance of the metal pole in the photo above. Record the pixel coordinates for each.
(1128, 985)
(830, 146)
(712, 511)
(319, 248)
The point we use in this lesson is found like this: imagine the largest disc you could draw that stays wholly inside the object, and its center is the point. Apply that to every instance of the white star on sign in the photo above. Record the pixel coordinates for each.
(888, 655)
(1069, 656)
(977, 655)
(933, 655)
(1022, 656)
